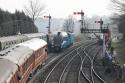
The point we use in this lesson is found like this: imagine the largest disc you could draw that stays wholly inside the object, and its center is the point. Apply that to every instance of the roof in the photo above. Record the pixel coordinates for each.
(34, 35)
(6, 69)
(34, 43)
(16, 54)
(12, 38)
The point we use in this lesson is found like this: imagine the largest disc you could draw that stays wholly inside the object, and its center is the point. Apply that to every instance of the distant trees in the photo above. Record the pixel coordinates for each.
(68, 25)
(10, 24)
(119, 15)
(34, 9)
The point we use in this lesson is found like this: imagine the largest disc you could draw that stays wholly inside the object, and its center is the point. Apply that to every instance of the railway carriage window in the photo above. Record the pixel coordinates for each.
(46, 50)
(19, 75)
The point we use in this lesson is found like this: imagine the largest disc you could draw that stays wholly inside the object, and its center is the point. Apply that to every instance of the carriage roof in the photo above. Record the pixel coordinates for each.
(7, 68)
(17, 54)
(12, 38)
(33, 35)
(34, 44)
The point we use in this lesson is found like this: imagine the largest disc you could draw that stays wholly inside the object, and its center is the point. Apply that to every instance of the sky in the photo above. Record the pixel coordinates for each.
(62, 8)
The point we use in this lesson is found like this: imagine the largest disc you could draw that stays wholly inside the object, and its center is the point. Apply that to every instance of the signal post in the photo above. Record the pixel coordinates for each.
(48, 36)
(82, 19)
(49, 24)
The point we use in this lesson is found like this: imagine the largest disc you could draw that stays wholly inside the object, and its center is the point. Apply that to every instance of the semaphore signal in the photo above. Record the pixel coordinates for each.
(49, 17)
(82, 19)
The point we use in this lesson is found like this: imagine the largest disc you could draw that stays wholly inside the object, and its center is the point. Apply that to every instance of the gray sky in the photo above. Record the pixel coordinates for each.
(62, 8)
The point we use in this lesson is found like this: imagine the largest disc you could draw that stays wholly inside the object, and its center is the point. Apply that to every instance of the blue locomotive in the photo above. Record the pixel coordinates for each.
(62, 40)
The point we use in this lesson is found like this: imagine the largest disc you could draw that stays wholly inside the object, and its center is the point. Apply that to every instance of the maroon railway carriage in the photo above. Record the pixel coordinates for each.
(25, 58)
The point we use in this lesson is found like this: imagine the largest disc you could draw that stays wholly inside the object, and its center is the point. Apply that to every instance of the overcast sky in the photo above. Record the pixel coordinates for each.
(62, 8)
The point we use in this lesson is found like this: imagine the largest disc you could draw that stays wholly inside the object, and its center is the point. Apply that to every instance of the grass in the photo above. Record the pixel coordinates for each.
(120, 60)
(117, 45)
(120, 49)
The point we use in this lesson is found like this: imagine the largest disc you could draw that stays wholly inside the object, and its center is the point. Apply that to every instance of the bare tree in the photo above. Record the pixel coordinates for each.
(68, 25)
(34, 9)
(119, 15)
(118, 6)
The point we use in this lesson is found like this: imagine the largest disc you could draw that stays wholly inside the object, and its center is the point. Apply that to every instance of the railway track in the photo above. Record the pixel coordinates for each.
(56, 75)
(51, 61)
(71, 68)
(87, 73)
